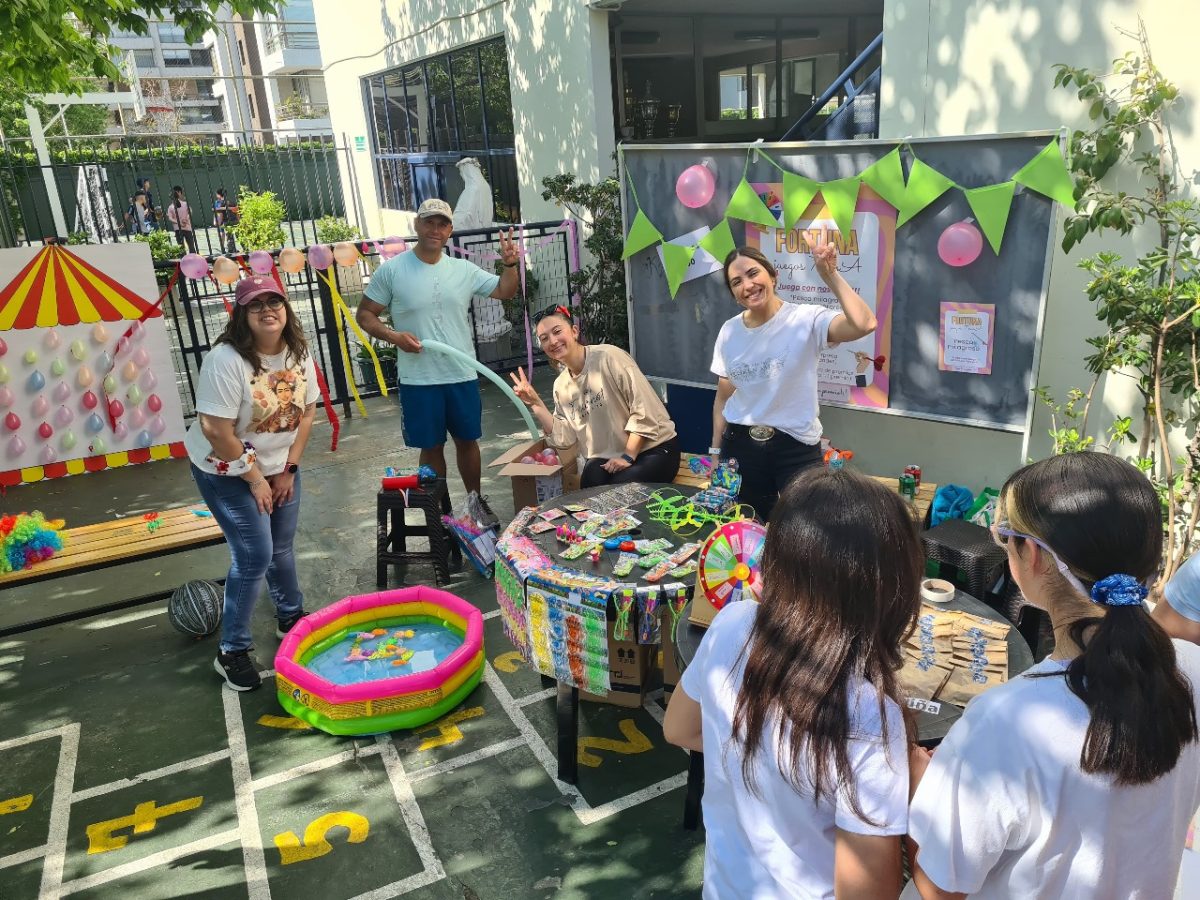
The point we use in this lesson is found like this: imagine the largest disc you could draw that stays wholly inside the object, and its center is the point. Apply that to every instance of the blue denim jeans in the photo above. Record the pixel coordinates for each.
(261, 547)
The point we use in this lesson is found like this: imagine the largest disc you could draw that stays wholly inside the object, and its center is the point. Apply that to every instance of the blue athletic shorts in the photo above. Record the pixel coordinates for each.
(428, 411)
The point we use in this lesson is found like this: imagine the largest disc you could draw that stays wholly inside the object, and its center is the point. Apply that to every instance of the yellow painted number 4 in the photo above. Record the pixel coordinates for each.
(315, 843)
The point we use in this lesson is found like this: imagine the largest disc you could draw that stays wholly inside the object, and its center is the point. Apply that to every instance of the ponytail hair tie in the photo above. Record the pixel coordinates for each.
(1119, 590)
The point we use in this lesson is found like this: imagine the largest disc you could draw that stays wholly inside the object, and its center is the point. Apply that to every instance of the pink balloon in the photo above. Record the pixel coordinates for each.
(141, 356)
(695, 186)
(6, 397)
(960, 244)
(3, 347)
(391, 246)
(40, 405)
(122, 346)
(194, 266)
(16, 446)
(320, 256)
(62, 391)
(116, 408)
(137, 418)
(154, 403)
(157, 425)
(121, 431)
(89, 400)
(48, 455)
(261, 262)
(149, 380)
(137, 330)
(63, 417)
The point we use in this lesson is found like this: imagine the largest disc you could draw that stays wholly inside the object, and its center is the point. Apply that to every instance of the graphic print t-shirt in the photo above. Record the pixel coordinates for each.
(267, 407)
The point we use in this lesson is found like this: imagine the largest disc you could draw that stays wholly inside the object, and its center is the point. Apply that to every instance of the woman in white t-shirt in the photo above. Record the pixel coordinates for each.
(1077, 779)
(255, 400)
(794, 702)
(766, 412)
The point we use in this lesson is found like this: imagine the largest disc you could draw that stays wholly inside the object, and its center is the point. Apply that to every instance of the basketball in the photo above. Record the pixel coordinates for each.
(195, 608)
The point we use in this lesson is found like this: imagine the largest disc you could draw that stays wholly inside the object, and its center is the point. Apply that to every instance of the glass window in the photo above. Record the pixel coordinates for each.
(170, 33)
(187, 59)
(493, 59)
(410, 105)
(468, 99)
(144, 59)
(739, 65)
(441, 104)
(200, 115)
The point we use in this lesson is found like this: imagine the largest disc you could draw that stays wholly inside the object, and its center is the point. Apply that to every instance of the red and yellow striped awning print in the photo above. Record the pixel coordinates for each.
(59, 288)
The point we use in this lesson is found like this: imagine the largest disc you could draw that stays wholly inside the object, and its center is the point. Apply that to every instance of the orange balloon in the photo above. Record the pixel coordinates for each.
(225, 270)
(345, 253)
(291, 260)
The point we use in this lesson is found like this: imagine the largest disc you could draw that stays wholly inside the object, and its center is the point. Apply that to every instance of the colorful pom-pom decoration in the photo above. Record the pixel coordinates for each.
(27, 539)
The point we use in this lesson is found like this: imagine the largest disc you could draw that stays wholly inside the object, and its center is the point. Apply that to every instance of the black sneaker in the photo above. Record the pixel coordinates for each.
(487, 519)
(283, 626)
(238, 670)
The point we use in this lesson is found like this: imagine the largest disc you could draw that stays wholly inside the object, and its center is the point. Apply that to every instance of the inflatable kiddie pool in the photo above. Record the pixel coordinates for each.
(379, 662)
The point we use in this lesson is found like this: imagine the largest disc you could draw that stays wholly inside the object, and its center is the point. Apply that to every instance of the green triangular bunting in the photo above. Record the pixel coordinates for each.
(925, 184)
(991, 206)
(1047, 174)
(676, 260)
(841, 196)
(746, 205)
(886, 177)
(642, 234)
(798, 192)
(719, 241)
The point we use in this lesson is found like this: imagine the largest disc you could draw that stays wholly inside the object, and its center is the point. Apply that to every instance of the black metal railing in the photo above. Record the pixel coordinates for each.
(195, 312)
(807, 127)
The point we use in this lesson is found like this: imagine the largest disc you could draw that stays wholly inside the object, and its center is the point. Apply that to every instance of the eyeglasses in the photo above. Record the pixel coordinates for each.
(1001, 533)
(550, 311)
(258, 307)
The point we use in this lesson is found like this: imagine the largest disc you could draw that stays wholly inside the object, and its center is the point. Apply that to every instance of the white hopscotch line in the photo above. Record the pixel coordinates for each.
(254, 859)
(317, 765)
(532, 739)
(410, 810)
(193, 763)
(60, 813)
(15, 859)
(491, 614)
(534, 698)
(595, 814)
(449, 765)
(161, 858)
(403, 886)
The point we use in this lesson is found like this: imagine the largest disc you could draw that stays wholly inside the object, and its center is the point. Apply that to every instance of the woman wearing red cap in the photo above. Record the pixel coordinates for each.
(255, 401)
(603, 403)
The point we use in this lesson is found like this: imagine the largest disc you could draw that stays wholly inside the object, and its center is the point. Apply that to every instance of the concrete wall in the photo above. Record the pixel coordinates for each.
(985, 66)
(558, 73)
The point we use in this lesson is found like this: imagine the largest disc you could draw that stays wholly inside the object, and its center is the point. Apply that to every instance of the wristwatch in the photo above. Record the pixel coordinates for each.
(292, 468)
(714, 451)
(627, 458)
(509, 265)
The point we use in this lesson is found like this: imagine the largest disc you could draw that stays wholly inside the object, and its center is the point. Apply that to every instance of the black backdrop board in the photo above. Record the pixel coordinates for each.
(672, 339)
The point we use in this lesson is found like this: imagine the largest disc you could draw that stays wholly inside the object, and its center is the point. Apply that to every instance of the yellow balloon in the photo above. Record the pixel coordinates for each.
(291, 260)
(345, 253)
(225, 270)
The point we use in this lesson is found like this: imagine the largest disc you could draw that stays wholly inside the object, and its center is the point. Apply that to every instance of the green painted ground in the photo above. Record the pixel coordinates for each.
(126, 770)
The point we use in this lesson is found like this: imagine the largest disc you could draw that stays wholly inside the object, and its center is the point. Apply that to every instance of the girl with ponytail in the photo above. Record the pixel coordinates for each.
(1079, 778)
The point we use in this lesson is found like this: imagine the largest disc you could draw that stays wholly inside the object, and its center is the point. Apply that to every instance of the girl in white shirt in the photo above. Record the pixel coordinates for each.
(766, 411)
(795, 704)
(1078, 779)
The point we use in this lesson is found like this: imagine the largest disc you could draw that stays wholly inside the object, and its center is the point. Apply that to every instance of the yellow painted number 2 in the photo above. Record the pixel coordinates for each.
(315, 843)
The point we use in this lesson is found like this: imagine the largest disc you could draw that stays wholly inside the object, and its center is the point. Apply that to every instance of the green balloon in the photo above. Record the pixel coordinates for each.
(68, 440)
(31, 356)
(78, 350)
(110, 385)
(134, 394)
(58, 367)
(98, 445)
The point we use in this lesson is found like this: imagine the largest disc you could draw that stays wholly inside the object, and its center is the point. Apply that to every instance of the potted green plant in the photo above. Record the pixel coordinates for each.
(386, 353)
(260, 221)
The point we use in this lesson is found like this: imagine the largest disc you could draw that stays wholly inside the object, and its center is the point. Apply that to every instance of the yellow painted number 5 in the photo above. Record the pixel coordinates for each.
(315, 843)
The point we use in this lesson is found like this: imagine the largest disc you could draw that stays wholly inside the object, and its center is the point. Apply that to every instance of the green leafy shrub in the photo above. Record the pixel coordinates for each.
(261, 220)
(333, 229)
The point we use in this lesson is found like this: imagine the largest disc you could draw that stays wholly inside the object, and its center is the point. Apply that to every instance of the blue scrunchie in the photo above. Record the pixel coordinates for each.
(1119, 590)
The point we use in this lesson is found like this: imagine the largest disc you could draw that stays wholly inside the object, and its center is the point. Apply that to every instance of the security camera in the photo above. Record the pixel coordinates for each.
(606, 5)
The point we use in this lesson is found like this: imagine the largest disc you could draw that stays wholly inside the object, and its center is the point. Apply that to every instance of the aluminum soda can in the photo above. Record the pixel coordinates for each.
(915, 472)
(908, 486)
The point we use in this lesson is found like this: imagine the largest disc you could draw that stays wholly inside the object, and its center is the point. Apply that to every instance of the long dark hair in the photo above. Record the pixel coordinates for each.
(841, 577)
(750, 253)
(238, 335)
(177, 194)
(1102, 517)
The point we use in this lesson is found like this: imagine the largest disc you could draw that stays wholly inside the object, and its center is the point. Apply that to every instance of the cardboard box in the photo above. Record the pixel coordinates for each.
(532, 484)
(629, 670)
(703, 612)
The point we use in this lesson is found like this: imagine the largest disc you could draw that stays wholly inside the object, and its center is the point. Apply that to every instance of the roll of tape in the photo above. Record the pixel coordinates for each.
(935, 590)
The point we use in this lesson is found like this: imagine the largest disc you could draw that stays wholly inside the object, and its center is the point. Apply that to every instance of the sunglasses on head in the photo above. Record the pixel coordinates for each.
(1001, 532)
(551, 311)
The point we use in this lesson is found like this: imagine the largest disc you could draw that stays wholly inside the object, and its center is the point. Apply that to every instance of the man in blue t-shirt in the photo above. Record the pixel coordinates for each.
(428, 295)
(1178, 610)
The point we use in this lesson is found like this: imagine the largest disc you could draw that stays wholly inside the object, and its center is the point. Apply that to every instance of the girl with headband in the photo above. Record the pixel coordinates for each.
(766, 414)
(1079, 778)
(603, 403)
(795, 704)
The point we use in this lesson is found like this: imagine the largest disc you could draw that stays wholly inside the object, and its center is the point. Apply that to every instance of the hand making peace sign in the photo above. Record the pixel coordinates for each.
(825, 256)
(523, 389)
(509, 254)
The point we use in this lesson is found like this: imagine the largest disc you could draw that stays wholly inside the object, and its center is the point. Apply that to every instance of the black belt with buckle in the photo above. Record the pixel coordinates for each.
(760, 433)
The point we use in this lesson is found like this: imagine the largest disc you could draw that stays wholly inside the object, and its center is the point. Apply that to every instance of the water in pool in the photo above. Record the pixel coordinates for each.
(375, 653)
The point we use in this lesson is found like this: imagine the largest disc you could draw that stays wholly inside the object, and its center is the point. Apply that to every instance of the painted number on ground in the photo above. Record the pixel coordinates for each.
(447, 728)
(635, 742)
(508, 662)
(102, 836)
(285, 722)
(315, 843)
(16, 804)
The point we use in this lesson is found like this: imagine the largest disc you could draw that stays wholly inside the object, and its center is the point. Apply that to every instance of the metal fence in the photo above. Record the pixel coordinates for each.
(195, 312)
(94, 181)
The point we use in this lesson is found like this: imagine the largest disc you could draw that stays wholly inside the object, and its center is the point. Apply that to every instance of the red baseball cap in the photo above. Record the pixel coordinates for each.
(254, 287)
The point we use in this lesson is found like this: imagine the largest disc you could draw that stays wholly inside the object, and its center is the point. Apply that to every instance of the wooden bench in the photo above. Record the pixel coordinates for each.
(105, 544)
(924, 493)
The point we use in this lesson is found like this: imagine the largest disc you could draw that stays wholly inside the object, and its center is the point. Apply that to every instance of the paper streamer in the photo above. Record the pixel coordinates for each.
(338, 306)
(438, 347)
(334, 422)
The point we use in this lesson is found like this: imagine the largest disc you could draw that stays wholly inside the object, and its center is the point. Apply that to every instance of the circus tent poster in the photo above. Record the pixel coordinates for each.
(86, 375)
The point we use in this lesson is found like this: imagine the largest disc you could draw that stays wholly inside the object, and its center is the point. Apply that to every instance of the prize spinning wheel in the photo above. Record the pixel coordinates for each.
(729, 563)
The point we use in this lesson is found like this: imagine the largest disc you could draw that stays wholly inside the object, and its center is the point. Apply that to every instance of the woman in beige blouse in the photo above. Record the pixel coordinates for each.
(603, 403)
